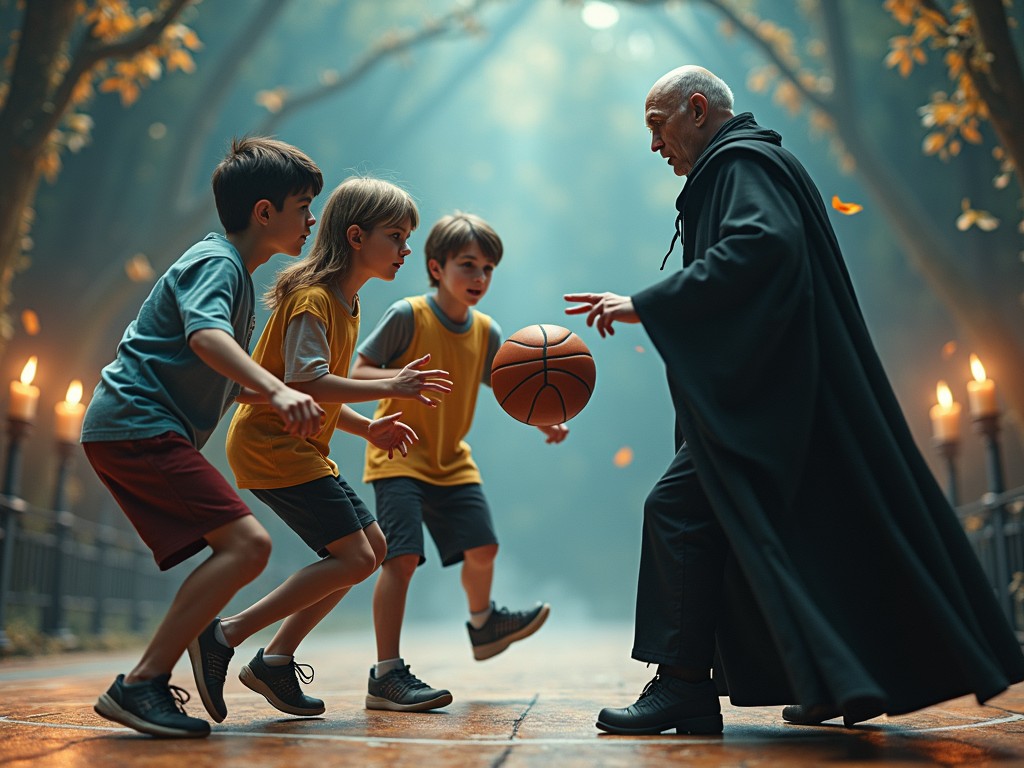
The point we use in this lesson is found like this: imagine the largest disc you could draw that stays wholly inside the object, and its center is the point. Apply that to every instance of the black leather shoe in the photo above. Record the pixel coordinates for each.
(667, 703)
(813, 715)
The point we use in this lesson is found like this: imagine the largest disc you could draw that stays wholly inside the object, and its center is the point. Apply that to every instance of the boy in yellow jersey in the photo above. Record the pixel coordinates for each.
(438, 484)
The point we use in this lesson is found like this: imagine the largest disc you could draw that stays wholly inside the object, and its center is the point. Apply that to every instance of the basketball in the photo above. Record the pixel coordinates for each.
(543, 375)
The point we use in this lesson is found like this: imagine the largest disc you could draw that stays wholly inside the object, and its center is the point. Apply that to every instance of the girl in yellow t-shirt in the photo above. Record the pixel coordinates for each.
(309, 342)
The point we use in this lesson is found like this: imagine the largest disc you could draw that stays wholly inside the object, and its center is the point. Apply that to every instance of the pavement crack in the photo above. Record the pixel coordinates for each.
(519, 720)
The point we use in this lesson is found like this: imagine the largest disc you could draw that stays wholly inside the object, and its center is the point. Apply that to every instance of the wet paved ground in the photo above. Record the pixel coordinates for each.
(533, 705)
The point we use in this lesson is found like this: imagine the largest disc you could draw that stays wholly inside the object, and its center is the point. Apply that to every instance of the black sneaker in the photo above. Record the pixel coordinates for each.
(503, 628)
(280, 685)
(152, 707)
(210, 657)
(667, 703)
(401, 691)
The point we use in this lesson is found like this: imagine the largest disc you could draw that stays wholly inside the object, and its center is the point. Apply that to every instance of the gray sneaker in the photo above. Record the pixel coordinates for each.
(401, 691)
(503, 628)
(152, 706)
(280, 685)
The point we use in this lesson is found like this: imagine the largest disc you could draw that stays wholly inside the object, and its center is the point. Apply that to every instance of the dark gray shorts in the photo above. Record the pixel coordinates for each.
(320, 511)
(457, 517)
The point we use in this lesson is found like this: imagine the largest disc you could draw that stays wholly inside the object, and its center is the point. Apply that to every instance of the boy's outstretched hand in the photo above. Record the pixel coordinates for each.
(602, 309)
(555, 433)
(388, 434)
(302, 415)
(410, 382)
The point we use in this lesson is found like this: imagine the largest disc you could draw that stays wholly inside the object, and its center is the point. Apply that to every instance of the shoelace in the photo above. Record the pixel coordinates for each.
(651, 688)
(303, 672)
(403, 682)
(217, 665)
(160, 699)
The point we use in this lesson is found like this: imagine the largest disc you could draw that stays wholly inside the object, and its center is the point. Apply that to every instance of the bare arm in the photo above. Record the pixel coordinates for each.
(216, 348)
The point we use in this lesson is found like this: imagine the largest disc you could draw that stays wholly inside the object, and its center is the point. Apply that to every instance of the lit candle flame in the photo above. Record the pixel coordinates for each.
(74, 394)
(977, 369)
(944, 395)
(29, 371)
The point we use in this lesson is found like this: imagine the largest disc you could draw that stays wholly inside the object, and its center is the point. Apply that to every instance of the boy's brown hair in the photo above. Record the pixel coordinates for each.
(454, 232)
(259, 168)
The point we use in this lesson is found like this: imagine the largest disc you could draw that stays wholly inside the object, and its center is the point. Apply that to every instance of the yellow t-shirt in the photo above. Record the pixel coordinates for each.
(260, 451)
(441, 456)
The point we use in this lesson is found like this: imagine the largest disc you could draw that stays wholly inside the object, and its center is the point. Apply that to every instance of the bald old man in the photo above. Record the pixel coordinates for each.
(797, 551)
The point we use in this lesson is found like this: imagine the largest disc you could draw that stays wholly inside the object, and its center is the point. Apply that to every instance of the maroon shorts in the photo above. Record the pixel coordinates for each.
(169, 491)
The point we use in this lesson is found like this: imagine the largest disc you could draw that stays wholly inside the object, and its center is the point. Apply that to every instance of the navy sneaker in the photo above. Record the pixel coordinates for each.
(401, 691)
(280, 685)
(210, 657)
(503, 628)
(152, 706)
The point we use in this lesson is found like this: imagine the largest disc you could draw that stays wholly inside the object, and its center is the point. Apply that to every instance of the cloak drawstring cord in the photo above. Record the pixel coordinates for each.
(675, 237)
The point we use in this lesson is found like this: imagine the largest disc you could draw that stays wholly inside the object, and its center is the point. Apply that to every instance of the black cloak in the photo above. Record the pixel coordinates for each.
(850, 581)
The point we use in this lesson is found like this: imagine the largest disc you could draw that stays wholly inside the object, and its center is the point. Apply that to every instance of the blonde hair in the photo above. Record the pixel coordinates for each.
(360, 200)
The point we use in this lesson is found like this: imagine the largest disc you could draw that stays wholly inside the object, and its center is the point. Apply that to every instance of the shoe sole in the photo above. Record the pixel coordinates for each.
(196, 657)
(376, 702)
(694, 726)
(253, 683)
(481, 652)
(109, 709)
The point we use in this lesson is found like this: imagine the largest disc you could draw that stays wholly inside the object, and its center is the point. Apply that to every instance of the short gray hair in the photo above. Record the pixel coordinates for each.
(687, 81)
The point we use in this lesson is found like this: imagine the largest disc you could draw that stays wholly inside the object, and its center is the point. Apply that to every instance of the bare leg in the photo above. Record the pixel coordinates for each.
(389, 603)
(310, 593)
(240, 552)
(477, 575)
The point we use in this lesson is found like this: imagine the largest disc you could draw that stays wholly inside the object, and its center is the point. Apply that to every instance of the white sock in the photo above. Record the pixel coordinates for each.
(277, 660)
(381, 668)
(218, 635)
(479, 618)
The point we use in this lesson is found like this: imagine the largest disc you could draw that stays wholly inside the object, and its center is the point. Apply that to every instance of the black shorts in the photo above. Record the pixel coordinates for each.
(320, 511)
(457, 517)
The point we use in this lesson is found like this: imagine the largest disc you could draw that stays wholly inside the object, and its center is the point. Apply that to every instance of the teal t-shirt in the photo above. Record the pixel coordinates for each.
(156, 383)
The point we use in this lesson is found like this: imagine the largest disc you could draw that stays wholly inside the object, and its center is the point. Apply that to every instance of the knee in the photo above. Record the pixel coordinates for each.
(402, 567)
(253, 552)
(481, 557)
(364, 563)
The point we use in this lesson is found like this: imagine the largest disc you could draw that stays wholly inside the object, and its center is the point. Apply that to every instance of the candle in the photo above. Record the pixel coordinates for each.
(24, 396)
(945, 416)
(68, 426)
(981, 393)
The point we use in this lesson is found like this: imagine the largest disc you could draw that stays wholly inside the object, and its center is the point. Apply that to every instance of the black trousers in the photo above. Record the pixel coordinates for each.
(682, 561)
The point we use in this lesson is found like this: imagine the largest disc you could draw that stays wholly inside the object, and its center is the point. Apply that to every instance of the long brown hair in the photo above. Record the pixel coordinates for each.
(358, 200)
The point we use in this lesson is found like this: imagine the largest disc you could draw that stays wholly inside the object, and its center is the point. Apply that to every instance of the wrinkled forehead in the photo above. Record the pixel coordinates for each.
(660, 103)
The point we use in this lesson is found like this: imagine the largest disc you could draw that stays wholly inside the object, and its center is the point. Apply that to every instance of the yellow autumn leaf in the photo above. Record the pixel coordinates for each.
(139, 269)
(846, 208)
(969, 131)
(933, 142)
(30, 322)
(272, 100)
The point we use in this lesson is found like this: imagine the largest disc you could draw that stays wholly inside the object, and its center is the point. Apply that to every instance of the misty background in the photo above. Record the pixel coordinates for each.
(531, 116)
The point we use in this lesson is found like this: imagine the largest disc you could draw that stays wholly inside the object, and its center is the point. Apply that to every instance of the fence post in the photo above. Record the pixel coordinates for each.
(11, 507)
(988, 427)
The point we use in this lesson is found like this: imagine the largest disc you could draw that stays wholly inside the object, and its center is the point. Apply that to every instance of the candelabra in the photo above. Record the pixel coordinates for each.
(948, 450)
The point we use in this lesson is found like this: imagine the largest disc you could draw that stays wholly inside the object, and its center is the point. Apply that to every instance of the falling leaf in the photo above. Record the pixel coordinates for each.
(948, 350)
(30, 322)
(639, 348)
(971, 217)
(273, 100)
(623, 457)
(846, 208)
(139, 269)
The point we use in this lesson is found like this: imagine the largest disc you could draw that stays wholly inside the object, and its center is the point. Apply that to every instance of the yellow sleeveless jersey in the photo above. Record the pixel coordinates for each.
(260, 451)
(441, 456)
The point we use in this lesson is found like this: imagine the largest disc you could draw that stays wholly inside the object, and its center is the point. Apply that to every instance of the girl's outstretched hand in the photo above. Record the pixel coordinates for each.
(410, 383)
(389, 434)
(555, 433)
